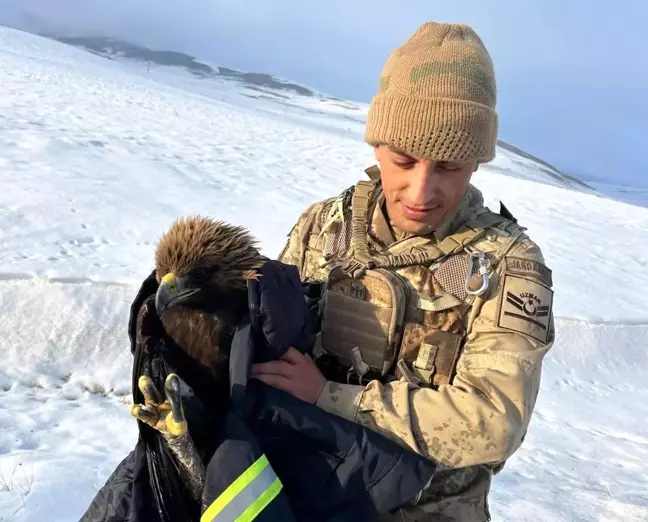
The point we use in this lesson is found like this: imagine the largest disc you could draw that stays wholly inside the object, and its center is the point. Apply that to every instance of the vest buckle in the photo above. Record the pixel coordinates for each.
(358, 366)
(482, 271)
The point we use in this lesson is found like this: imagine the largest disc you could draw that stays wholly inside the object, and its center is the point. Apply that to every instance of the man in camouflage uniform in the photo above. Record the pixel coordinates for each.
(437, 312)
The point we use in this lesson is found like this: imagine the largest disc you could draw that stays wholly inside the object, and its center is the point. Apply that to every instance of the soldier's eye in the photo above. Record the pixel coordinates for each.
(449, 167)
(406, 165)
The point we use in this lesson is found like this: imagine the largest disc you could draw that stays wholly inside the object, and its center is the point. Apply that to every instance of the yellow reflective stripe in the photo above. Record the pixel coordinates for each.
(234, 489)
(260, 503)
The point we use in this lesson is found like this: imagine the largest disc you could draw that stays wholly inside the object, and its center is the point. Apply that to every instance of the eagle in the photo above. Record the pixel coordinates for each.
(202, 267)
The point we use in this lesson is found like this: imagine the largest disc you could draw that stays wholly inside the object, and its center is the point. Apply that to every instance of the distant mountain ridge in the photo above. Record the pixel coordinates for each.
(546, 167)
(113, 48)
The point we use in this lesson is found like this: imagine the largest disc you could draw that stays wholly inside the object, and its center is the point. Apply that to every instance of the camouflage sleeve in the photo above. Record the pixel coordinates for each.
(293, 252)
(482, 416)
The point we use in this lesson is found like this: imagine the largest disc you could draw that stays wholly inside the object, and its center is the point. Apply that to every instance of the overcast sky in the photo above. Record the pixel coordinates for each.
(572, 74)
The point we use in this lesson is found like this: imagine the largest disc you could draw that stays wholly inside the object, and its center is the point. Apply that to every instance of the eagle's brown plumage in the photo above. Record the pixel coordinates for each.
(195, 242)
(198, 334)
(222, 257)
(202, 267)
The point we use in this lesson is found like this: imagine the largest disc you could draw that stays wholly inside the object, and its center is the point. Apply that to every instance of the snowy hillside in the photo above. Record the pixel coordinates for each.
(512, 161)
(98, 156)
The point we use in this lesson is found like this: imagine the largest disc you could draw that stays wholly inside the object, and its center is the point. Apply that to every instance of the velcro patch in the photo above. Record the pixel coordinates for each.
(519, 265)
(525, 307)
(426, 355)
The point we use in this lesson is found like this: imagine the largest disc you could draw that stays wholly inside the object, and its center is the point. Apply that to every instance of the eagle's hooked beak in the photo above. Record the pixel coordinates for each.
(174, 291)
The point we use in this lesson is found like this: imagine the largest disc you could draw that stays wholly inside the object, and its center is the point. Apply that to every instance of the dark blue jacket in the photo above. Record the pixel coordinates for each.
(306, 464)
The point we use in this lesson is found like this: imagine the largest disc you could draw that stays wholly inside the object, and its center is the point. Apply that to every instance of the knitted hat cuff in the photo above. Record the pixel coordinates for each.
(433, 128)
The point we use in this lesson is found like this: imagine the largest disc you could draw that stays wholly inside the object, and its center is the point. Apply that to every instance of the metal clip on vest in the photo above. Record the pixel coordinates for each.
(483, 272)
(407, 374)
(358, 366)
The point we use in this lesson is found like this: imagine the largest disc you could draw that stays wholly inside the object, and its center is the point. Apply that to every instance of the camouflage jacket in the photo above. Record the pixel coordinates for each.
(472, 415)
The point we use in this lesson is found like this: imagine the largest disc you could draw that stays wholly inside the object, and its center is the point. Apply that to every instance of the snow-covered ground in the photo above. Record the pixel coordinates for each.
(96, 159)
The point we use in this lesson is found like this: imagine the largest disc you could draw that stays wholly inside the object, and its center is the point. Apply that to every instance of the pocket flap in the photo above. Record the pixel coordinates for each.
(444, 348)
(437, 303)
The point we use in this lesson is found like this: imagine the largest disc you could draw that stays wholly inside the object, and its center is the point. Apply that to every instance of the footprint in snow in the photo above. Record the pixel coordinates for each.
(28, 444)
(82, 241)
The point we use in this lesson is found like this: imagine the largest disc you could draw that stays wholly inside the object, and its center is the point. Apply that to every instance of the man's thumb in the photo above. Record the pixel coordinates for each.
(292, 356)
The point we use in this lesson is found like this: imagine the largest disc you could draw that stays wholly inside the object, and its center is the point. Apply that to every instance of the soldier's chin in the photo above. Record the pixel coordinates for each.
(420, 227)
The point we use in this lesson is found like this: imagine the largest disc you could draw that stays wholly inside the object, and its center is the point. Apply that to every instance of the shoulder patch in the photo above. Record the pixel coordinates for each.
(519, 265)
(526, 307)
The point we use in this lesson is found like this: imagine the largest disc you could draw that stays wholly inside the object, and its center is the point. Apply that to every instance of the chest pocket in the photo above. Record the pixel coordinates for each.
(428, 356)
(433, 333)
(362, 319)
(383, 322)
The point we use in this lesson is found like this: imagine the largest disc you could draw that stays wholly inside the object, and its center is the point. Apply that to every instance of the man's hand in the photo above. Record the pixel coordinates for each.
(294, 373)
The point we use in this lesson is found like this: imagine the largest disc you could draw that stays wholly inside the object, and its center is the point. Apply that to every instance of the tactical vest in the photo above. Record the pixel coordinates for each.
(403, 313)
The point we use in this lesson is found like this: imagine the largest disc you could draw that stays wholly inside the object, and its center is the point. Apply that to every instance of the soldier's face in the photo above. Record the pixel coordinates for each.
(421, 193)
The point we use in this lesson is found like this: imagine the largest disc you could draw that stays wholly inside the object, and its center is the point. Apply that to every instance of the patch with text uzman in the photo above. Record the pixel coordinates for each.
(525, 307)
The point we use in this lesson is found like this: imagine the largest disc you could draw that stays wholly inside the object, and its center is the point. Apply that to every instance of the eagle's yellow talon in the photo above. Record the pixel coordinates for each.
(175, 421)
(176, 429)
(170, 380)
(144, 383)
(149, 391)
(135, 410)
(166, 417)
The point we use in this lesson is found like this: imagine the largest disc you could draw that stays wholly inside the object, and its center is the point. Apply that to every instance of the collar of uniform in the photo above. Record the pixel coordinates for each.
(385, 234)
(380, 230)
(471, 202)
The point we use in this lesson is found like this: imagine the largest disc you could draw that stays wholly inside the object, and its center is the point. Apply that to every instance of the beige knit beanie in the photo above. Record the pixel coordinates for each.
(437, 96)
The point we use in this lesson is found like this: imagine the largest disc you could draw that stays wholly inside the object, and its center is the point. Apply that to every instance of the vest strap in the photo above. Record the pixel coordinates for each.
(359, 226)
(362, 260)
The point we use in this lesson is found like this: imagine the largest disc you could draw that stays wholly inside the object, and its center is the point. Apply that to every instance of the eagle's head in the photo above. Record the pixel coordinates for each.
(202, 266)
(200, 262)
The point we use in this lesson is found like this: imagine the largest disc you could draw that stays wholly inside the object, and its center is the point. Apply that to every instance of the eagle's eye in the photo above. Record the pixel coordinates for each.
(201, 274)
